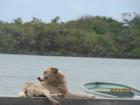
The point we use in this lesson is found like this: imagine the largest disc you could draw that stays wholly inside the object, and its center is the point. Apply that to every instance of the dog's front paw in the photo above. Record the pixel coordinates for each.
(57, 95)
(60, 95)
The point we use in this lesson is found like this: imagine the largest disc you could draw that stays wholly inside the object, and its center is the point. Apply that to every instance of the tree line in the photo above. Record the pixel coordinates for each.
(90, 36)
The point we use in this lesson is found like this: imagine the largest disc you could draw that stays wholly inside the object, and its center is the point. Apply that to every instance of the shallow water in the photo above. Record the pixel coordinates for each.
(16, 69)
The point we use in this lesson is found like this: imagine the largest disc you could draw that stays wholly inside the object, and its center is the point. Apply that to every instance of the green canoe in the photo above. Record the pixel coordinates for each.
(111, 90)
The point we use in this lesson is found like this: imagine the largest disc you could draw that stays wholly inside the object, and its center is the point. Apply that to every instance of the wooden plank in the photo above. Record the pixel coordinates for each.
(64, 101)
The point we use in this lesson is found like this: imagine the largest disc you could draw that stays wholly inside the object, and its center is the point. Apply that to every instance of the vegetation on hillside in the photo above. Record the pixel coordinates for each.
(87, 36)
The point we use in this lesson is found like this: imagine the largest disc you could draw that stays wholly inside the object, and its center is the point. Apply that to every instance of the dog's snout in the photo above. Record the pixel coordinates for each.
(39, 79)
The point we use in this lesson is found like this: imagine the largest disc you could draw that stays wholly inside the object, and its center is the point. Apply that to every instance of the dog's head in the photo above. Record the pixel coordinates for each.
(52, 75)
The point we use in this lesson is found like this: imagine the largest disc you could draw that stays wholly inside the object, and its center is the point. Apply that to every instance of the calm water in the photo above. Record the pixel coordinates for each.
(16, 69)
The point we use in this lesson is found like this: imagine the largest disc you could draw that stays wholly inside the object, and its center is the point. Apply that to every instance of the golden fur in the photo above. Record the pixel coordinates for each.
(54, 81)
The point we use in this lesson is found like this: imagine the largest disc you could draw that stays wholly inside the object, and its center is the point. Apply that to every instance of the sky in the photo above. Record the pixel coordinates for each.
(66, 9)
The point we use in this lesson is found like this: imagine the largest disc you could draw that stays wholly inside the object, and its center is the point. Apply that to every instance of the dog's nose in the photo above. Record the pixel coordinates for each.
(39, 79)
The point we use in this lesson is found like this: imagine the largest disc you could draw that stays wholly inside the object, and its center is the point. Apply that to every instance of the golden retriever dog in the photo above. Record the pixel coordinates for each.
(54, 81)
(51, 84)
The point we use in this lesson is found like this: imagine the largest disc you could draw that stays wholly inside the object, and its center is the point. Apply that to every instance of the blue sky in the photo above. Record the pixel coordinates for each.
(66, 9)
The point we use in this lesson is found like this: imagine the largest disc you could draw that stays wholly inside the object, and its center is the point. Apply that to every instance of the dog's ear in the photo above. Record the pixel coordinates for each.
(54, 70)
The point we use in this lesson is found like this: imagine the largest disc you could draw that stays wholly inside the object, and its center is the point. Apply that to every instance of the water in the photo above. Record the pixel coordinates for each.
(16, 69)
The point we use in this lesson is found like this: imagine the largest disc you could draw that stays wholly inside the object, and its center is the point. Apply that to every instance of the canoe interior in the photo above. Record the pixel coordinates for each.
(110, 90)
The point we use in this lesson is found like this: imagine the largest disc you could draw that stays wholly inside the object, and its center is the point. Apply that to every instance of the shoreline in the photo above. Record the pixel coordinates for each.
(29, 54)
